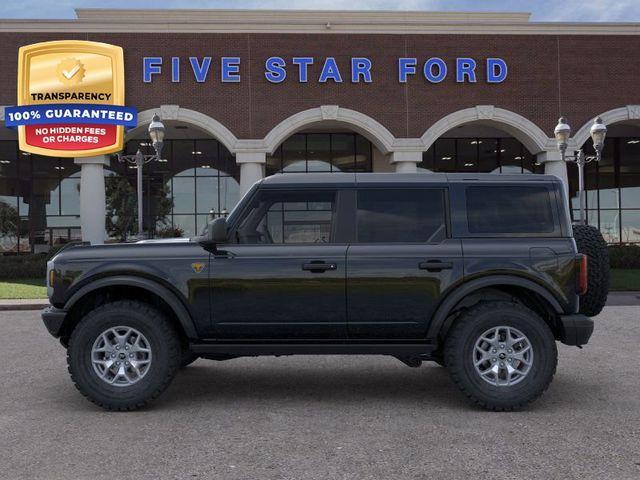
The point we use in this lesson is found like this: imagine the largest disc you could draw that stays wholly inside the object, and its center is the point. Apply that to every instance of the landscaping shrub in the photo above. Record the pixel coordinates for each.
(624, 256)
(26, 266)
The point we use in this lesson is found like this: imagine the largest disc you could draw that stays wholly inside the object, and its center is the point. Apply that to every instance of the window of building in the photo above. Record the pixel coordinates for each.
(612, 189)
(289, 217)
(485, 155)
(401, 216)
(321, 152)
(513, 209)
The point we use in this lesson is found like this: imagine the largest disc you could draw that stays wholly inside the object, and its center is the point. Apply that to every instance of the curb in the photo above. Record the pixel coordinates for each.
(7, 305)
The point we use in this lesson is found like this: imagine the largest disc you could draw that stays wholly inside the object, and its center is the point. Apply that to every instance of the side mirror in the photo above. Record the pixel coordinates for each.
(217, 231)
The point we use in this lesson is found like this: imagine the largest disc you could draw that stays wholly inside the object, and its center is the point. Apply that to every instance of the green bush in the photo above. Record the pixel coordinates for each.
(23, 266)
(624, 256)
(26, 266)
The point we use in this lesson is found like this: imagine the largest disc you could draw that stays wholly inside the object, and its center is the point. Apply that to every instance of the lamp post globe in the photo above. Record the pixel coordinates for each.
(156, 133)
(562, 133)
(598, 133)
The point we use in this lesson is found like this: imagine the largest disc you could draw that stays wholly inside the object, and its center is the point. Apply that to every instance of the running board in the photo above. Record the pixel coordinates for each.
(249, 349)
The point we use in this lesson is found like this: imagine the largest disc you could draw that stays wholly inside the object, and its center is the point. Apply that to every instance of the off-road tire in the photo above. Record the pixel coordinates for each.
(590, 242)
(163, 340)
(460, 344)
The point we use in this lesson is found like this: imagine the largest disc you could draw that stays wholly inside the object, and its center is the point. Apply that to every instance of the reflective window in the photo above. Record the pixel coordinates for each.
(401, 216)
(513, 209)
(289, 217)
(488, 155)
(612, 189)
(321, 152)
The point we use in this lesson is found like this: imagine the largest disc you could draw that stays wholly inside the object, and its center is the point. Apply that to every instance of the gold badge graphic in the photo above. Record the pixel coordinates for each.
(79, 80)
(70, 71)
(197, 267)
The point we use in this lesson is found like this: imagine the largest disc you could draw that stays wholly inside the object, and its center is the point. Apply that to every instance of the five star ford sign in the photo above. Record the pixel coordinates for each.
(71, 99)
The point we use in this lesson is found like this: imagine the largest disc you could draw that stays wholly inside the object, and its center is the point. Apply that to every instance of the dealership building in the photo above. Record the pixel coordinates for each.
(244, 94)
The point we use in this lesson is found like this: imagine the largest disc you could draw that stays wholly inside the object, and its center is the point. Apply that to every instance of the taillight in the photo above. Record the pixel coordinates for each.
(583, 280)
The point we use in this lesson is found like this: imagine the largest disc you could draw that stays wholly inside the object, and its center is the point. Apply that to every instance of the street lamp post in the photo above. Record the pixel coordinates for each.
(562, 133)
(156, 133)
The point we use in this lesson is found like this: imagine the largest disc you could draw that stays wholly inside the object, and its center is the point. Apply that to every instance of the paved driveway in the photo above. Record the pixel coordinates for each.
(321, 418)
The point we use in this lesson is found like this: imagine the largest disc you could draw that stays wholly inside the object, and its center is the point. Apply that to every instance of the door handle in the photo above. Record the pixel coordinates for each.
(435, 266)
(318, 267)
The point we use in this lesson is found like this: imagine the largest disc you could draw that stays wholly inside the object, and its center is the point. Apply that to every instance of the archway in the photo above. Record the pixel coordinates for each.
(484, 139)
(328, 139)
(519, 127)
(613, 184)
(196, 179)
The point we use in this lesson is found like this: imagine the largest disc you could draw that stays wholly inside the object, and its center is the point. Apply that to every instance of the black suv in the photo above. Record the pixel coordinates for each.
(477, 272)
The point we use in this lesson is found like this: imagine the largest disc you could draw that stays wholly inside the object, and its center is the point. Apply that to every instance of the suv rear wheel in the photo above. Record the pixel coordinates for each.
(501, 355)
(123, 354)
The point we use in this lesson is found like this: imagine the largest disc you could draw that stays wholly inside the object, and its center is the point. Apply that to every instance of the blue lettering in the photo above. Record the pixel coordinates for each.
(303, 64)
(406, 66)
(275, 69)
(360, 67)
(428, 70)
(175, 69)
(200, 71)
(465, 67)
(330, 71)
(230, 70)
(151, 66)
(496, 70)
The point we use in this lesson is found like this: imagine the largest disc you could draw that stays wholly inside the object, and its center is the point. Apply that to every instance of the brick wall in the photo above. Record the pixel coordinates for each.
(578, 76)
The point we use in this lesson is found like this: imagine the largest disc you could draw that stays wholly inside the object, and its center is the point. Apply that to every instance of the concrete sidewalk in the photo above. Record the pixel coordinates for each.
(615, 299)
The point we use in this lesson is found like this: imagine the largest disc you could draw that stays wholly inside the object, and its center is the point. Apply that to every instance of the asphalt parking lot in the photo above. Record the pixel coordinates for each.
(321, 418)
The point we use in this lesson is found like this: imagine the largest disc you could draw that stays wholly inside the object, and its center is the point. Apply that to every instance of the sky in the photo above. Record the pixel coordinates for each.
(542, 10)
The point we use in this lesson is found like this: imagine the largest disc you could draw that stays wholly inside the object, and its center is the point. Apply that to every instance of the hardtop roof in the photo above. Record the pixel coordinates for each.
(326, 179)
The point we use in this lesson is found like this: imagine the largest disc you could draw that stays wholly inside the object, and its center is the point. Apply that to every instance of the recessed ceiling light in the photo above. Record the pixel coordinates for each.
(59, 168)
(468, 164)
(631, 142)
(446, 158)
(476, 142)
(205, 166)
(5, 161)
(197, 152)
(517, 158)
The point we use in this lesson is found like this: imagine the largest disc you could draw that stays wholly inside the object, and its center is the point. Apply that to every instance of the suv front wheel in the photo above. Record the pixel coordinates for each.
(123, 354)
(501, 355)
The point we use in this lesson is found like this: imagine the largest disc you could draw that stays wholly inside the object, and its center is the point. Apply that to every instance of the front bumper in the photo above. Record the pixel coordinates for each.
(575, 329)
(53, 319)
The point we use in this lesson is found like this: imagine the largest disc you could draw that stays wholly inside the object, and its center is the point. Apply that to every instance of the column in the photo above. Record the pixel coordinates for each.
(406, 162)
(251, 168)
(93, 209)
(553, 165)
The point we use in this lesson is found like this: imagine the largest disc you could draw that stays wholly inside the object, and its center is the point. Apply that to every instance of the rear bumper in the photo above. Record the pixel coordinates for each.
(53, 319)
(575, 329)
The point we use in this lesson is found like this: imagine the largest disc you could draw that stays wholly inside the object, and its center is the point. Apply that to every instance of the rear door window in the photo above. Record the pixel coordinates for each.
(520, 209)
(401, 215)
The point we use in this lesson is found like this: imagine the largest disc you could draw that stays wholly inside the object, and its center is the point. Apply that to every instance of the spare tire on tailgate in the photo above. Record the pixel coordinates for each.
(590, 242)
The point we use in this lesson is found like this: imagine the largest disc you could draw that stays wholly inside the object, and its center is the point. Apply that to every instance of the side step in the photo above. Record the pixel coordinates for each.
(253, 349)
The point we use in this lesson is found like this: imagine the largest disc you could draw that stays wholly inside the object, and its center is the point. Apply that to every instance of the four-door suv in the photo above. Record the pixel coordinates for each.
(477, 272)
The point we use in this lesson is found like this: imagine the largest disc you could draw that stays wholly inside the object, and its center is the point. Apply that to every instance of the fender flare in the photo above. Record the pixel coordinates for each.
(176, 305)
(453, 298)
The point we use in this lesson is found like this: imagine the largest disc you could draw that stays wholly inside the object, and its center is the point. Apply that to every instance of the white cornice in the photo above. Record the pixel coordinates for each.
(322, 21)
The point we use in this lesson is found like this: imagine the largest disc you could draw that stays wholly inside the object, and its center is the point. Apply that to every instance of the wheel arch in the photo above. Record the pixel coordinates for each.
(518, 287)
(133, 287)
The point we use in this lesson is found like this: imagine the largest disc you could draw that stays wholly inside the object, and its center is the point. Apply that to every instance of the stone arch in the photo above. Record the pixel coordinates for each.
(373, 130)
(527, 132)
(622, 114)
(197, 119)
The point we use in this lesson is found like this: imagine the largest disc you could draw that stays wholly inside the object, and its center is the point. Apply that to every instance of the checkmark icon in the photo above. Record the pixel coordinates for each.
(71, 73)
